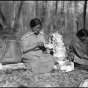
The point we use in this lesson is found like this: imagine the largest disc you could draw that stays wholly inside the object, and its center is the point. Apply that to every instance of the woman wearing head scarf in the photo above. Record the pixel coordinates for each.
(78, 49)
(33, 49)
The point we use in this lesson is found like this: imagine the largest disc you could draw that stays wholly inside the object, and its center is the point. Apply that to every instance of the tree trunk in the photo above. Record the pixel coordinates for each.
(46, 20)
(75, 29)
(54, 21)
(66, 15)
(14, 14)
(43, 14)
(3, 17)
(16, 20)
(56, 5)
(84, 13)
(66, 18)
(36, 8)
(62, 7)
(62, 14)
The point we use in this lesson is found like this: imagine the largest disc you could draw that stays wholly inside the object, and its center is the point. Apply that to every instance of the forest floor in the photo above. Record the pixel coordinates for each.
(26, 78)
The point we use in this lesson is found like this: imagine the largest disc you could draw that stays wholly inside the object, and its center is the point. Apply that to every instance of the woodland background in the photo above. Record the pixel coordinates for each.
(67, 17)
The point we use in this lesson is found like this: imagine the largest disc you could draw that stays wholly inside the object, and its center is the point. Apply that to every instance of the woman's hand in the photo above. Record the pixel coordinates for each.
(40, 44)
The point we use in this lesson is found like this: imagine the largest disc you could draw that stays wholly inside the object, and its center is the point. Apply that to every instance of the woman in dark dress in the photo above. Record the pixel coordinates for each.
(78, 49)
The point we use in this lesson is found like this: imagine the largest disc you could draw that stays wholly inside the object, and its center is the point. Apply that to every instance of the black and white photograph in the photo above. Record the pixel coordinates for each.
(43, 43)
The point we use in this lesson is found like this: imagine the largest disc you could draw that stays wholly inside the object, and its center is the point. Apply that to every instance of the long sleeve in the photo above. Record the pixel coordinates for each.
(75, 48)
(78, 49)
(26, 40)
(25, 43)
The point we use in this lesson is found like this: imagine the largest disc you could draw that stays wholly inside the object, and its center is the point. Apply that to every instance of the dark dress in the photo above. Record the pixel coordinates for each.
(77, 50)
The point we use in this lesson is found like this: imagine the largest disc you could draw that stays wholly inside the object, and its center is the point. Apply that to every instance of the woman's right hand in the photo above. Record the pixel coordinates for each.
(40, 44)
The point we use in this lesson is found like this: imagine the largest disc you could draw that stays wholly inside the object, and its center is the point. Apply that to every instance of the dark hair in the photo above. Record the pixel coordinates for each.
(34, 22)
(81, 33)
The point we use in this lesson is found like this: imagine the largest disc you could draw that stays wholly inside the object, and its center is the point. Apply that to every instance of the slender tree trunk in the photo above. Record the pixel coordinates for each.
(3, 17)
(53, 16)
(66, 18)
(84, 13)
(75, 29)
(46, 20)
(54, 21)
(14, 14)
(56, 5)
(62, 14)
(16, 20)
(43, 15)
(36, 8)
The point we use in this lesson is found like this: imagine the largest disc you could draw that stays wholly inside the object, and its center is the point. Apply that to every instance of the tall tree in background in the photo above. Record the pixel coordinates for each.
(49, 14)
(11, 18)
(6, 9)
(62, 18)
(84, 13)
(14, 13)
(36, 8)
(3, 17)
(56, 7)
(75, 20)
(66, 15)
(43, 14)
(55, 16)
(18, 13)
(45, 19)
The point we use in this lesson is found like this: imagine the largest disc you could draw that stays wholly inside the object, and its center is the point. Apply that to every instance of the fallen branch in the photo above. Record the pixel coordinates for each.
(13, 66)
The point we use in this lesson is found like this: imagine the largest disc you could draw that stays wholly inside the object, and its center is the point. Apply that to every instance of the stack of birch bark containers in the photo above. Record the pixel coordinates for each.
(59, 52)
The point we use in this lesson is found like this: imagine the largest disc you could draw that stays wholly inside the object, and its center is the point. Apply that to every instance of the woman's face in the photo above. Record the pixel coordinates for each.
(37, 29)
(83, 39)
(86, 41)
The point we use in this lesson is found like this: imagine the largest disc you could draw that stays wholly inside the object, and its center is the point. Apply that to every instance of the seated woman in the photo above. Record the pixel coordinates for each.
(33, 49)
(78, 49)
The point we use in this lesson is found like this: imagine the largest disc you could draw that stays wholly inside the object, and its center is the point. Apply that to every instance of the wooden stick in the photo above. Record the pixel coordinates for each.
(13, 66)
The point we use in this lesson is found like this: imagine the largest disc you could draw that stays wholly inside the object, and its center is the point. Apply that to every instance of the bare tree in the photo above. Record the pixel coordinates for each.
(36, 8)
(56, 7)
(54, 20)
(75, 29)
(62, 7)
(46, 13)
(43, 14)
(62, 20)
(66, 17)
(11, 27)
(3, 16)
(16, 20)
(84, 13)
(46, 20)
